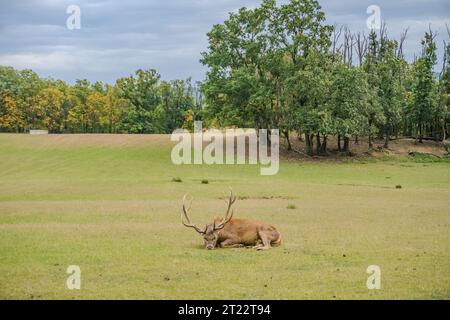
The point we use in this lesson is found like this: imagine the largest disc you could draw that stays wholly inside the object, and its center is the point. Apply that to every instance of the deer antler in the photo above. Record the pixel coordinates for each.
(184, 215)
(228, 216)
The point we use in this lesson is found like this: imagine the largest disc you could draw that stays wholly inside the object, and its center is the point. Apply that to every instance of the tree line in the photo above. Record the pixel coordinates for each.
(140, 103)
(272, 67)
(283, 67)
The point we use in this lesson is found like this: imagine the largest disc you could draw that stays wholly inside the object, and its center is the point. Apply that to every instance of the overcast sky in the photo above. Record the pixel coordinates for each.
(118, 37)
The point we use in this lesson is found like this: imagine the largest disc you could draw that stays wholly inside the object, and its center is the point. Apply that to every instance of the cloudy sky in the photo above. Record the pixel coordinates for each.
(118, 37)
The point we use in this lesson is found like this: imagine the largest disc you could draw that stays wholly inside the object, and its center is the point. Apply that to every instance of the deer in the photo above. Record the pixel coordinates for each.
(233, 233)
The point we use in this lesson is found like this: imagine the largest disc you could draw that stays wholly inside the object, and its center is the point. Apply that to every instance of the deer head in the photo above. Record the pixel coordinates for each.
(210, 232)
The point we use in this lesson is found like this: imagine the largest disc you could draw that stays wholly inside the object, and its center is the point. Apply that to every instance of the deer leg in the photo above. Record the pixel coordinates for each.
(229, 244)
(257, 245)
(265, 241)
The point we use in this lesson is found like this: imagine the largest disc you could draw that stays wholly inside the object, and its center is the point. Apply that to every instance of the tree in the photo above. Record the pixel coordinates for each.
(176, 99)
(21, 87)
(350, 102)
(11, 118)
(114, 109)
(424, 86)
(311, 107)
(254, 56)
(443, 109)
(47, 110)
(375, 114)
(235, 86)
(95, 110)
(70, 102)
(391, 91)
(142, 92)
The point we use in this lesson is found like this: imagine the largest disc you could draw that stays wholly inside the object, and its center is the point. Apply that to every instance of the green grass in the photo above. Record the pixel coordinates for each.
(114, 210)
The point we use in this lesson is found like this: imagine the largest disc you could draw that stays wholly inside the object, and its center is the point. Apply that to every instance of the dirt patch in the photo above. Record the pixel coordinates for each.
(397, 147)
(88, 140)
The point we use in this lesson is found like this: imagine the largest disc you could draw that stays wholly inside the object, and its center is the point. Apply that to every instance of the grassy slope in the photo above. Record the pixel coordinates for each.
(113, 210)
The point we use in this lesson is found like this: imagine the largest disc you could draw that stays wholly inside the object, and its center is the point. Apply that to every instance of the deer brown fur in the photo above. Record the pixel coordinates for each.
(234, 233)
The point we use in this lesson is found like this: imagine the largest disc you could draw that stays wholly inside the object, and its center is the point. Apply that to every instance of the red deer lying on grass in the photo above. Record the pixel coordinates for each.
(234, 233)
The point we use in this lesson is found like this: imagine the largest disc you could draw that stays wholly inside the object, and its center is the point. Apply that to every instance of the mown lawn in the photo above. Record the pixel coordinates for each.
(108, 205)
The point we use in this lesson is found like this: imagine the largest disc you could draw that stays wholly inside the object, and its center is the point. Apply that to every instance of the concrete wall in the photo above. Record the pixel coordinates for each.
(38, 132)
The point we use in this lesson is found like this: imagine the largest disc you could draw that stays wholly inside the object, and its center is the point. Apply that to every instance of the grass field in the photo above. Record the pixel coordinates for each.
(108, 204)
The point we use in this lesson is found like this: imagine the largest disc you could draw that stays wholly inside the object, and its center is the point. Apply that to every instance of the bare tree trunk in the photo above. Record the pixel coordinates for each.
(361, 47)
(387, 136)
(323, 146)
(318, 146)
(286, 135)
(269, 139)
(386, 141)
(309, 144)
(444, 132)
(347, 145)
(420, 133)
(436, 130)
(339, 143)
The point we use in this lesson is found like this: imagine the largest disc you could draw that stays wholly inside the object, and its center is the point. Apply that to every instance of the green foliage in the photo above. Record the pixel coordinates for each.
(46, 110)
(428, 158)
(177, 102)
(271, 67)
(424, 88)
(442, 112)
(136, 104)
(349, 99)
(391, 91)
(142, 91)
(255, 56)
(274, 67)
(11, 119)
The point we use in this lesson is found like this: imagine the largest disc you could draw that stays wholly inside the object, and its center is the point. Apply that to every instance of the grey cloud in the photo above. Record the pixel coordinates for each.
(118, 37)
